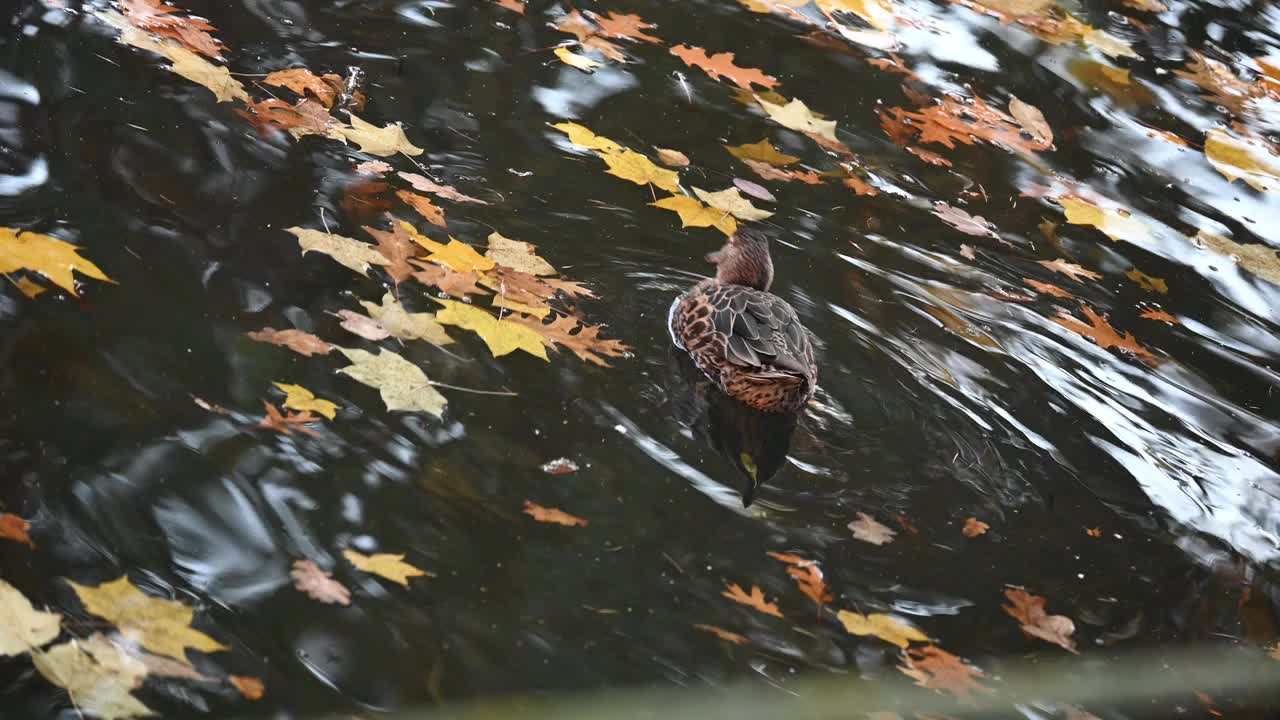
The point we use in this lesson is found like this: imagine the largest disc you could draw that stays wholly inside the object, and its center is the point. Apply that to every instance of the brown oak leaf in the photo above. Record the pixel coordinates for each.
(296, 340)
(721, 65)
(325, 88)
(1101, 332)
(450, 282)
(1029, 611)
(397, 246)
(584, 340)
(427, 209)
(934, 668)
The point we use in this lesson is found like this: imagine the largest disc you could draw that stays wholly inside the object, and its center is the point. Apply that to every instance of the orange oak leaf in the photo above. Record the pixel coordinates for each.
(934, 668)
(552, 515)
(1158, 314)
(516, 6)
(296, 340)
(973, 527)
(1093, 532)
(286, 424)
(1101, 332)
(1071, 270)
(953, 120)
(1029, 611)
(424, 206)
(755, 600)
(631, 27)
(318, 584)
(15, 528)
(808, 576)
(250, 687)
(159, 18)
(723, 634)
(721, 65)
(307, 117)
(325, 88)
(1046, 288)
(860, 186)
(582, 339)
(932, 158)
(588, 34)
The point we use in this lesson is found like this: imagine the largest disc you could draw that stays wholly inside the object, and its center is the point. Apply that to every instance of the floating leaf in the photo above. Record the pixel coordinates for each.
(1147, 282)
(695, 214)
(161, 19)
(1071, 270)
(932, 667)
(49, 256)
(346, 251)
(285, 424)
(423, 205)
(251, 688)
(754, 600)
(461, 257)
(457, 284)
(1249, 158)
(631, 27)
(15, 528)
(631, 165)
(327, 88)
(402, 384)
(672, 158)
(382, 141)
(589, 36)
(517, 255)
(762, 151)
(1032, 120)
(501, 336)
(447, 192)
(1101, 332)
(1261, 260)
(161, 626)
(296, 340)
(1117, 224)
(723, 634)
(755, 190)
(22, 627)
(575, 60)
(552, 515)
(397, 247)
(1029, 610)
(973, 527)
(301, 399)
(215, 78)
(318, 585)
(405, 325)
(722, 65)
(1047, 288)
(97, 676)
(806, 573)
(731, 201)
(877, 13)
(885, 627)
(586, 342)
(964, 222)
(362, 325)
(868, 530)
(386, 565)
(579, 135)
(1157, 314)
(795, 115)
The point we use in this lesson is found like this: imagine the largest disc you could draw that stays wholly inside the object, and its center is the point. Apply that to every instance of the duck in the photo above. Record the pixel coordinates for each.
(747, 340)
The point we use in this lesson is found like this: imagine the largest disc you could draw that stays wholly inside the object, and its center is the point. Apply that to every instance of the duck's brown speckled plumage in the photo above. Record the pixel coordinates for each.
(746, 339)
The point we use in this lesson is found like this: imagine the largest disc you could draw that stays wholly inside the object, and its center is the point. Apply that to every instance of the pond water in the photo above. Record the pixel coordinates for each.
(1137, 490)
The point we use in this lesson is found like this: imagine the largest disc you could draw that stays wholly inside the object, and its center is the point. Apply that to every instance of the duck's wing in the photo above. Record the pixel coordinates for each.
(762, 331)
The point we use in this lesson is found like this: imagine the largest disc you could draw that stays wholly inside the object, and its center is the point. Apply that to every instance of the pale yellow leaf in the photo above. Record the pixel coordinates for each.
(695, 214)
(348, 252)
(301, 399)
(383, 141)
(579, 135)
(22, 627)
(198, 70)
(161, 626)
(402, 384)
(732, 202)
(631, 165)
(1109, 44)
(762, 151)
(672, 158)
(573, 59)
(405, 325)
(795, 115)
(387, 565)
(97, 676)
(501, 336)
(1117, 224)
(882, 626)
(517, 255)
(49, 256)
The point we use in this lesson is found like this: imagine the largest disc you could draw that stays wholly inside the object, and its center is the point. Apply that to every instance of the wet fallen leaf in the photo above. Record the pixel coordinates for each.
(22, 627)
(859, 186)
(296, 340)
(215, 78)
(517, 255)
(722, 65)
(885, 627)
(762, 151)
(868, 530)
(754, 600)
(286, 424)
(808, 576)
(421, 203)
(161, 626)
(405, 325)
(672, 158)
(49, 256)
(572, 59)
(15, 528)
(1117, 224)
(1028, 610)
(552, 515)
(1147, 282)
(365, 199)
(1248, 158)
(954, 120)
(1101, 332)
(589, 35)
(1159, 315)
(301, 399)
(934, 668)
(348, 252)
(500, 336)
(631, 165)
(731, 201)
(795, 115)
(1047, 288)
(162, 19)
(963, 221)
(373, 168)
(251, 688)
(460, 257)
(516, 6)
(317, 584)
(448, 192)
(381, 141)
(307, 117)
(695, 214)
(582, 339)
(325, 88)
(1032, 120)
(973, 527)
(1261, 260)
(29, 287)
(723, 634)
(386, 565)
(579, 135)
(397, 247)
(631, 27)
(1071, 270)
(457, 284)
(1093, 532)
(97, 676)
(559, 466)
(402, 385)
(755, 190)
(1221, 84)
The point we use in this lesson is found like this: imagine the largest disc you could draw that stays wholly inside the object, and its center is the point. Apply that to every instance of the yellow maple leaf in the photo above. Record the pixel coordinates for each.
(501, 336)
(882, 626)
(583, 136)
(732, 202)
(795, 115)
(22, 627)
(383, 141)
(517, 255)
(695, 214)
(631, 165)
(1117, 224)
(49, 256)
(301, 399)
(387, 565)
(572, 59)
(762, 151)
(461, 257)
(161, 626)
(1247, 159)
(423, 240)
(402, 385)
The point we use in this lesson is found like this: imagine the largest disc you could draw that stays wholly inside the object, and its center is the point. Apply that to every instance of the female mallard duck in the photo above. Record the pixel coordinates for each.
(746, 339)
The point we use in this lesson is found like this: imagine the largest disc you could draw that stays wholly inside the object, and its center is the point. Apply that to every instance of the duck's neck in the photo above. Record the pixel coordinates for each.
(749, 266)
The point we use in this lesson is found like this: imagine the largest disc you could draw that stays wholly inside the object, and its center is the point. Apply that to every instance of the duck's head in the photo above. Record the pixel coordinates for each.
(744, 260)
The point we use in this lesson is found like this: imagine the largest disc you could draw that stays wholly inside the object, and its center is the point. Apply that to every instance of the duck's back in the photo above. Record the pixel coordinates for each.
(750, 342)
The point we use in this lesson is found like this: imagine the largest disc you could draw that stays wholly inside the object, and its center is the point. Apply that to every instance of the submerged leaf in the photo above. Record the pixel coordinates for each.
(15, 528)
(932, 667)
(402, 384)
(869, 530)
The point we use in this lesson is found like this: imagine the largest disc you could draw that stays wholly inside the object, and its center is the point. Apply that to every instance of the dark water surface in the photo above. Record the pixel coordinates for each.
(947, 391)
